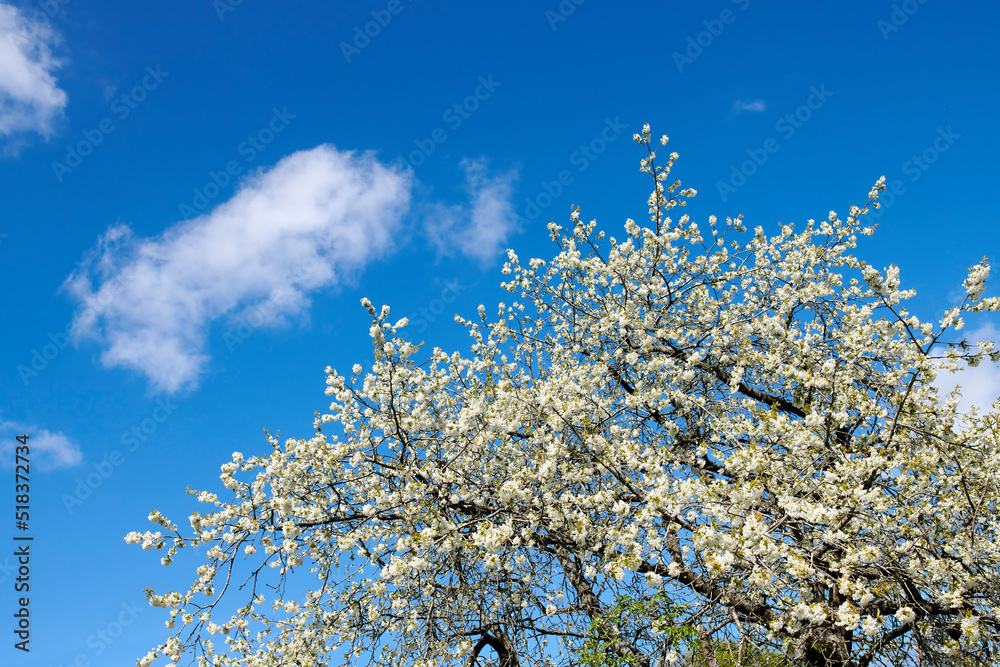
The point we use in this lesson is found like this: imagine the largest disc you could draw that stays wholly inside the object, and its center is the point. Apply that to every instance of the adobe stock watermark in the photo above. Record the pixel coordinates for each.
(101, 639)
(363, 36)
(248, 149)
(121, 107)
(52, 7)
(436, 307)
(914, 168)
(786, 126)
(256, 317)
(898, 17)
(271, 308)
(42, 14)
(454, 116)
(581, 158)
(58, 341)
(40, 358)
(223, 7)
(562, 12)
(6, 569)
(130, 440)
(696, 44)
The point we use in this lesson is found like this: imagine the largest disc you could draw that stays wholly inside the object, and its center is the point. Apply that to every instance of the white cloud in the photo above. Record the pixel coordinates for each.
(313, 218)
(47, 450)
(30, 100)
(980, 385)
(756, 106)
(479, 229)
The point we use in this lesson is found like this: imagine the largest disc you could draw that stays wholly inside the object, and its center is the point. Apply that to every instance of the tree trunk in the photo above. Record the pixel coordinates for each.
(499, 642)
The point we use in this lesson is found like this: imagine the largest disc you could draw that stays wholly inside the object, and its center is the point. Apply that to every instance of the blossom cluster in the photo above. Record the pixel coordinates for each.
(743, 423)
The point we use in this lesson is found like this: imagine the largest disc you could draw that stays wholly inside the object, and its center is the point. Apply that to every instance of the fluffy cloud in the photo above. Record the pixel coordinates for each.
(480, 228)
(313, 218)
(30, 100)
(48, 450)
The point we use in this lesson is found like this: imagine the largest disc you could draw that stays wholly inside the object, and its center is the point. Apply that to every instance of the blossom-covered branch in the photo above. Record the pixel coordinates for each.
(735, 427)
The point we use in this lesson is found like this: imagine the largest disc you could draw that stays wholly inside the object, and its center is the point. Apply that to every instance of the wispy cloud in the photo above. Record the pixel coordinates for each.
(980, 386)
(757, 106)
(30, 99)
(313, 218)
(480, 228)
(48, 450)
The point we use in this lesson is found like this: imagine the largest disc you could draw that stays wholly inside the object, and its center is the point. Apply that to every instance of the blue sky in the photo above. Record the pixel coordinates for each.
(196, 196)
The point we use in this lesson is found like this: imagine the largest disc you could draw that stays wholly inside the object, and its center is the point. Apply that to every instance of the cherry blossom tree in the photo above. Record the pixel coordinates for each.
(733, 432)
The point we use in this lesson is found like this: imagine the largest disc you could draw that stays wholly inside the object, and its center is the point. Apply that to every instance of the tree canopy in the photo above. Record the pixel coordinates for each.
(690, 445)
